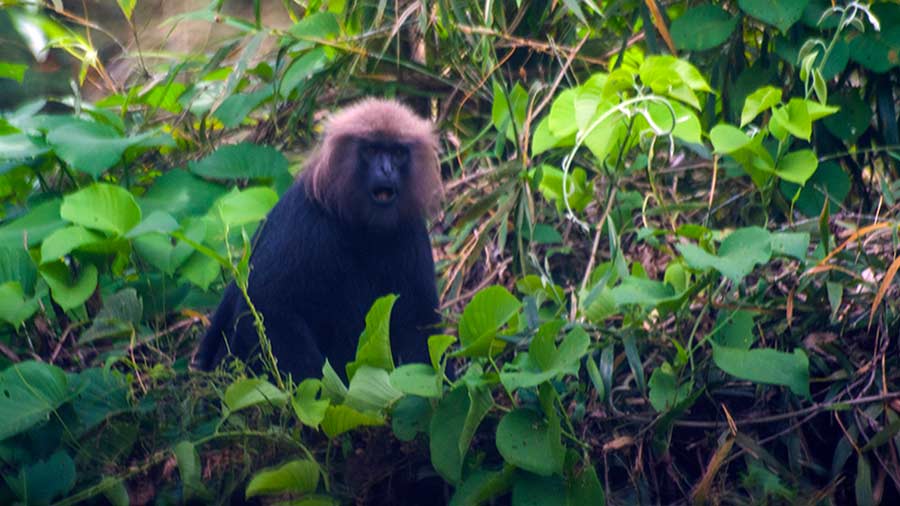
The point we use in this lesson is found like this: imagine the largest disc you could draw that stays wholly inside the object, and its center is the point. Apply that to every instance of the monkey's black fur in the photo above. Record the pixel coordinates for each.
(316, 270)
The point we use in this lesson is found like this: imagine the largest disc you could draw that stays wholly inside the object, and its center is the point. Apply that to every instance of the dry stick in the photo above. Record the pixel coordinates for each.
(542, 47)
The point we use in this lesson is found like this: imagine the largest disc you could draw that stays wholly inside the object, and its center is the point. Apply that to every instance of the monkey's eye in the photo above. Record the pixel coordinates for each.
(399, 155)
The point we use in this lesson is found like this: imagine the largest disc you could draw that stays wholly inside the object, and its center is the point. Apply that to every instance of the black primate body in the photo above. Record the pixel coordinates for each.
(314, 279)
(350, 230)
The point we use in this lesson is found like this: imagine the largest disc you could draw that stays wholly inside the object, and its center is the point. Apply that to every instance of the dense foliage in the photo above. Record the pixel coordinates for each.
(667, 257)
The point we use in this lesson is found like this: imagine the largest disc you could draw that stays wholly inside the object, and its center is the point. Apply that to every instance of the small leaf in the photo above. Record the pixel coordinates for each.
(797, 166)
(42, 481)
(190, 469)
(340, 419)
(14, 71)
(759, 101)
(410, 416)
(65, 240)
(308, 408)
(727, 139)
(14, 307)
(482, 318)
(248, 206)
(416, 379)
(371, 390)
(301, 69)
(374, 346)
(127, 7)
(452, 427)
(738, 254)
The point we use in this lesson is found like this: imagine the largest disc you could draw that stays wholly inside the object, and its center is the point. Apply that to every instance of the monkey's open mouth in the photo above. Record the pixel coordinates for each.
(384, 194)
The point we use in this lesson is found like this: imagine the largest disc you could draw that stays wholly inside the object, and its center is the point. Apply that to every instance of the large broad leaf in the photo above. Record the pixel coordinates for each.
(69, 293)
(296, 477)
(452, 427)
(20, 147)
(44, 480)
(779, 13)
(853, 118)
(180, 194)
(879, 50)
(29, 393)
(766, 366)
(738, 254)
(39, 222)
(93, 147)
(488, 311)
(531, 490)
(702, 27)
(252, 391)
(727, 139)
(65, 240)
(526, 440)
(119, 317)
(374, 347)
(102, 393)
(237, 107)
(578, 191)
(417, 379)
(243, 207)
(829, 181)
(102, 206)
(410, 416)
(245, 160)
(562, 121)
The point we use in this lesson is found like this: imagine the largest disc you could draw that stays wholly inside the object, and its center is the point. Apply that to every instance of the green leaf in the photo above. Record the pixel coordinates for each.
(43, 481)
(526, 440)
(790, 244)
(863, 483)
(702, 27)
(852, 120)
(829, 181)
(500, 109)
(120, 317)
(544, 140)
(437, 346)
(374, 346)
(127, 7)
(488, 311)
(727, 139)
(39, 222)
(779, 13)
(235, 109)
(29, 392)
(759, 101)
(102, 206)
(14, 71)
(643, 292)
(340, 419)
(371, 390)
(102, 393)
(585, 488)
(93, 147)
(245, 160)
(67, 292)
(544, 361)
(735, 329)
(531, 490)
(416, 379)
(481, 487)
(180, 194)
(317, 25)
(410, 416)
(307, 406)
(14, 307)
(766, 366)
(738, 254)
(190, 469)
(159, 222)
(301, 69)
(17, 265)
(665, 392)
(562, 121)
(299, 476)
(20, 147)
(65, 240)
(793, 118)
(248, 392)
(452, 427)
(797, 166)
(879, 50)
(579, 190)
(248, 206)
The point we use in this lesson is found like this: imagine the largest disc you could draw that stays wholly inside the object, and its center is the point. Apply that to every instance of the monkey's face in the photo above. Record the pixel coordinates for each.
(383, 168)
